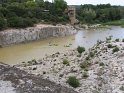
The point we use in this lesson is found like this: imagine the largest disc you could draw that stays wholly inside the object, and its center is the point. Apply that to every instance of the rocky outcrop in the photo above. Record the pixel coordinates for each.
(14, 36)
(99, 69)
(13, 80)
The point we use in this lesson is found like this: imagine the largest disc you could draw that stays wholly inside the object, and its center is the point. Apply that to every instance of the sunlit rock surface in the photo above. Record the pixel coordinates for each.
(14, 36)
(13, 80)
(105, 70)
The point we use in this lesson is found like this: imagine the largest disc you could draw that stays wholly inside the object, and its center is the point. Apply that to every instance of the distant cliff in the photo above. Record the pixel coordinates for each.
(14, 36)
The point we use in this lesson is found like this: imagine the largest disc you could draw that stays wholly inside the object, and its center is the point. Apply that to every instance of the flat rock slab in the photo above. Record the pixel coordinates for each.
(14, 80)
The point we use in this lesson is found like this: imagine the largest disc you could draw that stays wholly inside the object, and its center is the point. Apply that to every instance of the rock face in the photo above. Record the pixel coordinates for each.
(14, 36)
(13, 80)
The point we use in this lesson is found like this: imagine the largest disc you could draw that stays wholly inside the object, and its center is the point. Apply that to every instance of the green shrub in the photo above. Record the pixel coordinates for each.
(99, 42)
(20, 22)
(15, 22)
(84, 65)
(101, 64)
(72, 81)
(29, 62)
(80, 49)
(87, 58)
(85, 75)
(86, 69)
(116, 49)
(3, 23)
(34, 20)
(91, 54)
(122, 88)
(117, 40)
(65, 62)
(109, 46)
(122, 40)
(11, 14)
(27, 22)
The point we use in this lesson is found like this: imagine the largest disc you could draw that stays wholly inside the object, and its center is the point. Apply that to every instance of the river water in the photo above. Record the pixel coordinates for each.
(38, 49)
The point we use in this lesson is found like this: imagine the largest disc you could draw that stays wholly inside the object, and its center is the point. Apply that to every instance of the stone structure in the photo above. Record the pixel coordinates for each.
(72, 14)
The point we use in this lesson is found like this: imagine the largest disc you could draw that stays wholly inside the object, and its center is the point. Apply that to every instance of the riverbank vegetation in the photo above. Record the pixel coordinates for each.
(103, 13)
(24, 13)
(115, 23)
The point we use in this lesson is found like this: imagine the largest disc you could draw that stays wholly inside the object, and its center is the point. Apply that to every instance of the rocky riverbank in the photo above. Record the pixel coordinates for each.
(98, 70)
(40, 31)
(94, 26)
(13, 80)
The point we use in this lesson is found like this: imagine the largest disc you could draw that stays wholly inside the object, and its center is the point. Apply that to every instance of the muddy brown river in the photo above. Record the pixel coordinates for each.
(38, 49)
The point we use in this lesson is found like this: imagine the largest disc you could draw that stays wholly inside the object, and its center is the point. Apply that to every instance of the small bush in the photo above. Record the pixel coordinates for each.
(99, 42)
(122, 88)
(29, 62)
(84, 65)
(80, 49)
(117, 40)
(15, 22)
(72, 81)
(3, 23)
(109, 46)
(87, 58)
(101, 64)
(86, 69)
(122, 40)
(85, 75)
(91, 54)
(116, 49)
(20, 22)
(95, 51)
(65, 62)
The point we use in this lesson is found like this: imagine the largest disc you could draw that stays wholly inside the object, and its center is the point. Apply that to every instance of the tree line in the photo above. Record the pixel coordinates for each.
(99, 13)
(24, 13)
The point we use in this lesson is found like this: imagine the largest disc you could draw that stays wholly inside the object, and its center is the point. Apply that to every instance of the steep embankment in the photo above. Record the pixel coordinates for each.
(99, 70)
(14, 36)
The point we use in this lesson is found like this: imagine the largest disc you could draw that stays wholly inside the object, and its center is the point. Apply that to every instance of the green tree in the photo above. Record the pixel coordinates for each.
(15, 22)
(40, 3)
(59, 6)
(3, 23)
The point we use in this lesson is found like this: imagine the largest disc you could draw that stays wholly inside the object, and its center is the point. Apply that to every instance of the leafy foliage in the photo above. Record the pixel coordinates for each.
(80, 49)
(65, 62)
(109, 46)
(99, 13)
(3, 23)
(122, 40)
(116, 49)
(85, 75)
(72, 81)
(117, 40)
(84, 65)
(24, 13)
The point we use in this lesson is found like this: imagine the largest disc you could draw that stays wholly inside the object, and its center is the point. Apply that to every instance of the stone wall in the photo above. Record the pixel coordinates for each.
(14, 36)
